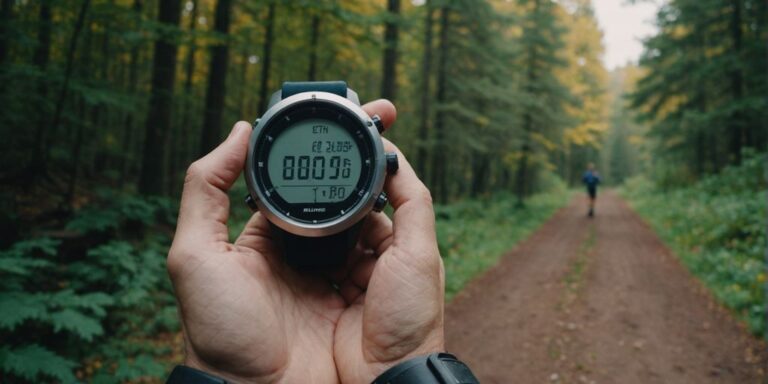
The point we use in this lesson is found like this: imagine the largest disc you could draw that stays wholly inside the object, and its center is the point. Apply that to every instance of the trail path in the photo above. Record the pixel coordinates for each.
(598, 301)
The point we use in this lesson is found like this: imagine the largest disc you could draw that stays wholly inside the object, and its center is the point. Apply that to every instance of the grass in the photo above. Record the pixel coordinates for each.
(474, 234)
(717, 228)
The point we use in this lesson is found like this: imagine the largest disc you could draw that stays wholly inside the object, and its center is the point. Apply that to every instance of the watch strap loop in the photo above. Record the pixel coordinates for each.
(291, 88)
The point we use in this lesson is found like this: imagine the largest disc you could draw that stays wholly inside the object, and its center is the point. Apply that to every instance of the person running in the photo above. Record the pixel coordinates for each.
(591, 179)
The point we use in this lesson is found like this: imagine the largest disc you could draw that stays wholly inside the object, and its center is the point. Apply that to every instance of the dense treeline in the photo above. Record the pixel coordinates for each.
(129, 92)
(703, 89)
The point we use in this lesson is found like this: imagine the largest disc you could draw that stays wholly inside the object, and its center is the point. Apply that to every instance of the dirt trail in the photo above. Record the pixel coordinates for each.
(598, 301)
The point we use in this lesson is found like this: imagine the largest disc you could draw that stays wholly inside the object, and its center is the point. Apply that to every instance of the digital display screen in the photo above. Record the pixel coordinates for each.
(314, 161)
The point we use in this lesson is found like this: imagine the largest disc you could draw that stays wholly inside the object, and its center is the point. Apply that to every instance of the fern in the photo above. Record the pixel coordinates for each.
(30, 362)
(117, 285)
(21, 306)
(77, 323)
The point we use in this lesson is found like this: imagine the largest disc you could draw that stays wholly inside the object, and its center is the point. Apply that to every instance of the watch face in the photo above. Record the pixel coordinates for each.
(313, 162)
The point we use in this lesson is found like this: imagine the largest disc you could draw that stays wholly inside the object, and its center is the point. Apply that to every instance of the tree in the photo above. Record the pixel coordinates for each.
(389, 62)
(217, 75)
(158, 121)
(426, 96)
(269, 37)
(545, 97)
(703, 92)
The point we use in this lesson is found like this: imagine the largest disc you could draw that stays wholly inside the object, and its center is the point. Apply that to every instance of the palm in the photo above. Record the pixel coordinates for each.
(249, 317)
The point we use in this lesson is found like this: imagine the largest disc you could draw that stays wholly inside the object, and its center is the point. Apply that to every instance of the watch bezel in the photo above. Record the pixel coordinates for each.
(354, 214)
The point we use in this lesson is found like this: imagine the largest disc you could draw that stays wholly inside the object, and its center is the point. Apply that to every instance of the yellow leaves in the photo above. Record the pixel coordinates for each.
(543, 141)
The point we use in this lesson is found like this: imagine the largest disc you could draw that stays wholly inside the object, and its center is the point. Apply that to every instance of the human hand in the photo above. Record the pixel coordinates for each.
(248, 317)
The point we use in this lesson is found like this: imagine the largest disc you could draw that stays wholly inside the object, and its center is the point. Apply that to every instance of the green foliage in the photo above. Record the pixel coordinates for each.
(703, 91)
(474, 234)
(33, 361)
(717, 227)
(88, 296)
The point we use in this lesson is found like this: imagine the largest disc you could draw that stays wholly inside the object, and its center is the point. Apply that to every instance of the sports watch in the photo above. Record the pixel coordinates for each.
(316, 167)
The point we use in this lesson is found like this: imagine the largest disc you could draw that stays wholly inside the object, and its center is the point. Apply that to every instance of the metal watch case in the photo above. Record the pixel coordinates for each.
(356, 213)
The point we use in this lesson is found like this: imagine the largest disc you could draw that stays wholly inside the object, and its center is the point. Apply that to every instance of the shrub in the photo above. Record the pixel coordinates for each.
(717, 228)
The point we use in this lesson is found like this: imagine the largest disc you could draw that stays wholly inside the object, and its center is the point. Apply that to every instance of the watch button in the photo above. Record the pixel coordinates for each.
(381, 202)
(392, 163)
(256, 122)
(378, 123)
(251, 202)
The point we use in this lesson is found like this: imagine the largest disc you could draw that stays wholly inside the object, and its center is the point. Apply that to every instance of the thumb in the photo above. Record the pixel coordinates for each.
(204, 201)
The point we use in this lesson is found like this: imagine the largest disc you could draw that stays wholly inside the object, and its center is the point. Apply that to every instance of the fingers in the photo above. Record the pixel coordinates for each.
(384, 108)
(414, 217)
(256, 234)
(204, 201)
(376, 233)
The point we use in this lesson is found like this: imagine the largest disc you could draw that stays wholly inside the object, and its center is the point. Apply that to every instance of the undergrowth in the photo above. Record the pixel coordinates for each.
(83, 302)
(474, 234)
(717, 228)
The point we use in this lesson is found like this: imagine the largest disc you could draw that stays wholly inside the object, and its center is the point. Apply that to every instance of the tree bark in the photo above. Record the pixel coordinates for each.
(217, 79)
(6, 15)
(62, 97)
(736, 123)
(269, 32)
(439, 181)
(40, 60)
(426, 75)
(128, 122)
(159, 115)
(522, 179)
(314, 39)
(389, 64)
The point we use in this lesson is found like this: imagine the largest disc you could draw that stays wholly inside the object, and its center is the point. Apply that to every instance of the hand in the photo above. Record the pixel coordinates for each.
(247, 317)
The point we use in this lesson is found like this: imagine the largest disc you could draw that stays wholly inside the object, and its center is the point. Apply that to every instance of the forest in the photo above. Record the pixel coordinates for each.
(105, 103)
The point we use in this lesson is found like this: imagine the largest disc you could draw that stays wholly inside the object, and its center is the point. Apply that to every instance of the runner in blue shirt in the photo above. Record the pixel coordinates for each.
(591, 179)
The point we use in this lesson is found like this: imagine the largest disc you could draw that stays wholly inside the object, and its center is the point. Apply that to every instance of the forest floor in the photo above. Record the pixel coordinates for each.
(598, 300)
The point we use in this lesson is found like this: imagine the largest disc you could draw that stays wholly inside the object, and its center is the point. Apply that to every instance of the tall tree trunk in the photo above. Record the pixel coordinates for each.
(158, 121)
(439, 181)
(737, 123)
(128, 122)
(6, 15)
(76, 154)
(40, 59)
(523, 178)
(389, 64)
(426, 97)
(62, 97)
(269, 35)
(243, 94)
(188, 148)
(314, 39)
(217, 79)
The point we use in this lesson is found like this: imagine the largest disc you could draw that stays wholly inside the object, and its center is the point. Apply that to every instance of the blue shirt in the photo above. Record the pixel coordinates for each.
(591, 179)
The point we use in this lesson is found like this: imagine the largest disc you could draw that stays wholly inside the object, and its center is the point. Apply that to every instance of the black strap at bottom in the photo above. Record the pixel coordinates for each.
(307, 253)
(437, 368)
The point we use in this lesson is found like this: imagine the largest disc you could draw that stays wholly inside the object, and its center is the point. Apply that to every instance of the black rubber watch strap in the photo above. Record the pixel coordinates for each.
(437, 368)
(310, 253)
(182, 374)
(291, 88)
